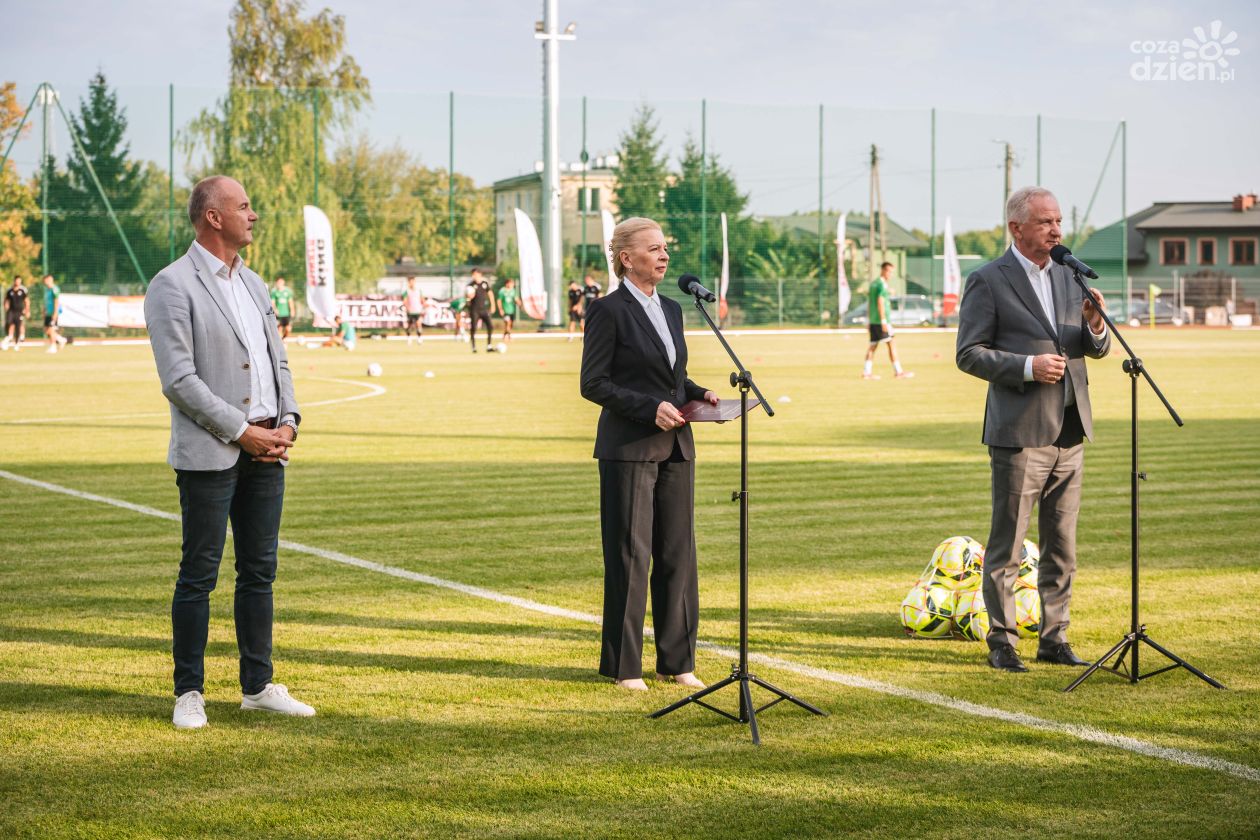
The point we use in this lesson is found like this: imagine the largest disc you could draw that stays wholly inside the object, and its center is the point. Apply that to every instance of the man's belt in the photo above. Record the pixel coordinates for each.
(269, 423)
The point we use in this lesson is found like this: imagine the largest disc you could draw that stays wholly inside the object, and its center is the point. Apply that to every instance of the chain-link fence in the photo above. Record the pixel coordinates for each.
(426, 183)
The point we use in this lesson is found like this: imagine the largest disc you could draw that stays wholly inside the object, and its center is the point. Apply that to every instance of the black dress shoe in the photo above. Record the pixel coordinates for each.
(1005, 658)
(1060, 654)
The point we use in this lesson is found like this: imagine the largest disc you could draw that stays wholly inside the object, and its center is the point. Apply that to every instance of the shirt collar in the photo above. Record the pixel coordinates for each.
(646, 300)
(217, 265)
(1028, 265)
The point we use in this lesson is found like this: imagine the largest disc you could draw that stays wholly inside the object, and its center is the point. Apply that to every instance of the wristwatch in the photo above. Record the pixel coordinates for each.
(292, 424)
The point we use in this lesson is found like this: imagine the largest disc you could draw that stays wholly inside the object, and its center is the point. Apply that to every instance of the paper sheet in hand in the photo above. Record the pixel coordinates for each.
(699, 411)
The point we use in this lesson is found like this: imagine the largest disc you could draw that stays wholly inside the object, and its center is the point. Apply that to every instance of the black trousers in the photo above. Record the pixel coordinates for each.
(251, 495)
(475, 318)
(647, 520)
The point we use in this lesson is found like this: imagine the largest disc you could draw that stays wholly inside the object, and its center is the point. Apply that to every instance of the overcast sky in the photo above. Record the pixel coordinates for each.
(764, 69)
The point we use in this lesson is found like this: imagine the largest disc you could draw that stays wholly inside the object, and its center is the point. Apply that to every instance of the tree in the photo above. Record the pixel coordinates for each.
(291, 84)
(642, 174)
(84, 244)
(683, 217)
(18, 204)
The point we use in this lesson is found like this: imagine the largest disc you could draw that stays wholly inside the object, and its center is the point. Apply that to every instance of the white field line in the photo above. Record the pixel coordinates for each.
(1071, 730)
(373, 391)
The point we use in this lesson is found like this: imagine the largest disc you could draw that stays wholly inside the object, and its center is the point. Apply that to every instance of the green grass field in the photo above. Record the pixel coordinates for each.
(444, 714)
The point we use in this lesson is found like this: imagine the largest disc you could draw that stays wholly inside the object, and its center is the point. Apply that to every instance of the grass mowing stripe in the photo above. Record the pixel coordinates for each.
(1084, 733)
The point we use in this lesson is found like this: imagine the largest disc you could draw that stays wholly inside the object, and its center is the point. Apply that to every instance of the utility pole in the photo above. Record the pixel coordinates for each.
(1008, 161)
(546, 31)
(870, 215)
(877, 206)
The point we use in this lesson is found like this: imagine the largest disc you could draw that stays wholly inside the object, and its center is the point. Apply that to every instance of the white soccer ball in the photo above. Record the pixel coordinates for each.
(500, 347)
(927, 611)
(1027, 613)
(374, 369)
(971, 617)
(1029, 559)
(956, 563)
(428, 374)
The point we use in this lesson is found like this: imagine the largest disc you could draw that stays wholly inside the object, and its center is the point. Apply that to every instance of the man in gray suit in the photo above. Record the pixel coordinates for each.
(234, 417)
(1026, 326)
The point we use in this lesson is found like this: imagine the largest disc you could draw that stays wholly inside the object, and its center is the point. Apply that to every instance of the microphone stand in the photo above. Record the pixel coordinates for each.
(1136, 637)
(739, 671)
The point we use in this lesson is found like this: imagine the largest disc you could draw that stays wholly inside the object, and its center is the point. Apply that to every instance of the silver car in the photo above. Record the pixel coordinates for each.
(907, 311)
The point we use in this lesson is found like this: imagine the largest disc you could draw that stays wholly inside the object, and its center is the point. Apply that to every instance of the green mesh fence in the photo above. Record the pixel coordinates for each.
(426, 183)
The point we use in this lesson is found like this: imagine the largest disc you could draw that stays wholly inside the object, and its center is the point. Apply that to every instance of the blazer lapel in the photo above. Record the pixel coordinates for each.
(1014, 274)
(1059, 285)
(676, 330)
(215, 288)
(636, 310)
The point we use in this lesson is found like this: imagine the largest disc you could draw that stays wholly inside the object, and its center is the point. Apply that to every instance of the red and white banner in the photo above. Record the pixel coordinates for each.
(101, 311)
(724, 282)
(953, 272)
(321, 288)
(613, 280)
(844, 293)
(529, 254)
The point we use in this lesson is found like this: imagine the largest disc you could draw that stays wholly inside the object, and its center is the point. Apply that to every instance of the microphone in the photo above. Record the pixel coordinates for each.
(690, 284)
(1063, 256)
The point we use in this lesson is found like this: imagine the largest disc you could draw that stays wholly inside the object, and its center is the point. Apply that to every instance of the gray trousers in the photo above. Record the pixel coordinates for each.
(647, 521)
(1049, 478)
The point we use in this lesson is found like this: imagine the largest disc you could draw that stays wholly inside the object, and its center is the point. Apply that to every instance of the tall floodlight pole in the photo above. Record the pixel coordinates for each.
(547, 32)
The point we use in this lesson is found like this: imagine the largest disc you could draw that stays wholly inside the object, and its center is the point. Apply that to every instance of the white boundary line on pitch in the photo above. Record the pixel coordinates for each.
(373, 391)
(1072, 730)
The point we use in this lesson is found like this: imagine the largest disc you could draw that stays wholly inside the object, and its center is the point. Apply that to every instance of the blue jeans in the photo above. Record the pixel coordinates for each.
(251, 495)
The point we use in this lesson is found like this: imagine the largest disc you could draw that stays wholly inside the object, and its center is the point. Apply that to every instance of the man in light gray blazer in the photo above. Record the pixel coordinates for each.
(234, 417)
(1026, 326)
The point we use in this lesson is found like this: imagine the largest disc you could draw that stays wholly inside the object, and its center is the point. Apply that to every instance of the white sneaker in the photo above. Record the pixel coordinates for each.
(190, 711)
(6, 344)
(275, 698)
(52, 348)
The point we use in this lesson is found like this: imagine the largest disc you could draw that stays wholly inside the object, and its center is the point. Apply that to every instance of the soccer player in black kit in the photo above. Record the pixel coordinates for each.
(590, 294)
(480, 305)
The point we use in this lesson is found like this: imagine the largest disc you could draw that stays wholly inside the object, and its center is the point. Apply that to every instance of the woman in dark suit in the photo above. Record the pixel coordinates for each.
(634, 365)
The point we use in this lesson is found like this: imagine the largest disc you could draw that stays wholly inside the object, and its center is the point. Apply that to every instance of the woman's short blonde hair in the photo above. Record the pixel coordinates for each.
(622, 236)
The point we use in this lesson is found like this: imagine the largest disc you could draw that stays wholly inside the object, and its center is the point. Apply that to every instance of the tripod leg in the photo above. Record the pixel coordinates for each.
(691, 698)
(746, 694)
(1121, 647)
(1183, 663)
(781, 693)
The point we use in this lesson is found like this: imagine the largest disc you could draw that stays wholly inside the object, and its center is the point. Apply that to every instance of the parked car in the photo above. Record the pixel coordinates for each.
(1137, 314)
(907, 311)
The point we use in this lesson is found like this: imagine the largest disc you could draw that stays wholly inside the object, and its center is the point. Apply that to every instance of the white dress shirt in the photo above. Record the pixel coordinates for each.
(656, 314)
(1039, 279)
(263, 399)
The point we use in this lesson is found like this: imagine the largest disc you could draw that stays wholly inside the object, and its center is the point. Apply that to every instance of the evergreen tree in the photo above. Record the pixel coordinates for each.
(642, 174)
(693, 230)
(83, 243)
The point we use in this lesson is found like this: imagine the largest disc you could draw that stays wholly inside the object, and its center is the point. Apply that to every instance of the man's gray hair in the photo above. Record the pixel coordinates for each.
(203, 197)
(1017, 204)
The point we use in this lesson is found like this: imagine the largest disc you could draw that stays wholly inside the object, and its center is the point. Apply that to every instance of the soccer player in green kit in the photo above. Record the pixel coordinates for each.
(509, 304)
(282, 302)
(880, 324)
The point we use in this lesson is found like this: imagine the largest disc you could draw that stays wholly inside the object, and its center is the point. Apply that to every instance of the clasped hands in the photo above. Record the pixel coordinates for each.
(267, 445)
(669, 417)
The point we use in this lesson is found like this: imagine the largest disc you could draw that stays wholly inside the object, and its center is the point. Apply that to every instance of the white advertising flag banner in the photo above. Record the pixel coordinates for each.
(953, 272)
(842, 280)
(724, 281)
(609, 224)
(321, 290)
(529, 252)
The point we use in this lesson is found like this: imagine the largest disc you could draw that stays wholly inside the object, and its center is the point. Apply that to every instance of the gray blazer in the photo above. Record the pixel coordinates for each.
(1001, 322)
(203, 362)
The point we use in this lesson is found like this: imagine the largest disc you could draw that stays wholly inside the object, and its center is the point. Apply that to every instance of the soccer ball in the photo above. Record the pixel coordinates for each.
(500, 347)
(956, 563)
(971, 617)
(1029, 559)
(927, 612)
(1027, 613)
(374, 369)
